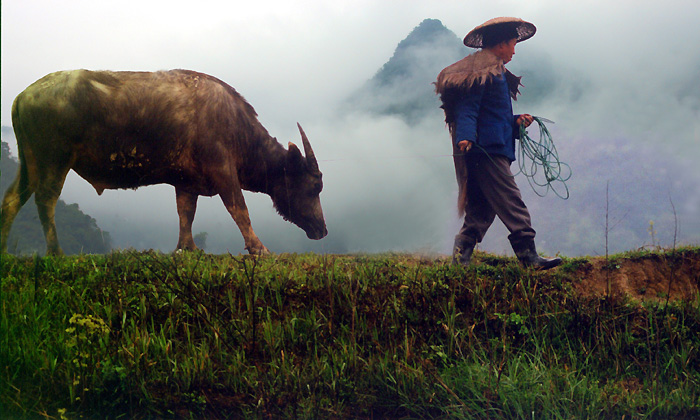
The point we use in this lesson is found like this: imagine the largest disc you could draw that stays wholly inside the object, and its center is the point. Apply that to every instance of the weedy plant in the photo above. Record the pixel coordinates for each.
(190, 335)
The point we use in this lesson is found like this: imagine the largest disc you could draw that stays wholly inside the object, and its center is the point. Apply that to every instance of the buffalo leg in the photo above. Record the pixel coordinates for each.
(46, 196)
(186, 207)
(235, 204)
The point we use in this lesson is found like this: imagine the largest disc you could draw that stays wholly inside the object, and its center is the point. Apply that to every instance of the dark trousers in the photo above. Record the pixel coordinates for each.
(491, 192)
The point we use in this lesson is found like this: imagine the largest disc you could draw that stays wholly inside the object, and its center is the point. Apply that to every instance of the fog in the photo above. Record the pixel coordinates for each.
(625, 101)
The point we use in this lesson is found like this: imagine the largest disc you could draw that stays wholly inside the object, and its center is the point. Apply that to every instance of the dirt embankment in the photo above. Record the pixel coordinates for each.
(645, 277)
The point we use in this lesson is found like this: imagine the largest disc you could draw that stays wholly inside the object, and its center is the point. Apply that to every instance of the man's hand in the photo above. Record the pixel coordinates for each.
(525, 119)
(465, 145)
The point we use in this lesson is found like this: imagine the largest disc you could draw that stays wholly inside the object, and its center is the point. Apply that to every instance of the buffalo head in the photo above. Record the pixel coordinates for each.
(296, 198)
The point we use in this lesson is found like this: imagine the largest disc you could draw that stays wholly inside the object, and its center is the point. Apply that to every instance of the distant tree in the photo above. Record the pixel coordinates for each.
(8, 167)
(77, 232)
(200, 240)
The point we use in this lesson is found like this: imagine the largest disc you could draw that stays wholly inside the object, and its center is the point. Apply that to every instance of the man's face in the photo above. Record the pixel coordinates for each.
(505, 50)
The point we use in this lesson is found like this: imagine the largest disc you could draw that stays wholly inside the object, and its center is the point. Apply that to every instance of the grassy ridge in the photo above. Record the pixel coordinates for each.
(141, 335)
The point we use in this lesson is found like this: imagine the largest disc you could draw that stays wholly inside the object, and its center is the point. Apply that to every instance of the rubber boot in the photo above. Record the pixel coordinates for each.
(462, 251)
(526, 252)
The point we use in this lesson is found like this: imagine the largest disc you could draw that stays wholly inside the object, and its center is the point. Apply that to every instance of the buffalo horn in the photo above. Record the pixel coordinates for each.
(308, 151)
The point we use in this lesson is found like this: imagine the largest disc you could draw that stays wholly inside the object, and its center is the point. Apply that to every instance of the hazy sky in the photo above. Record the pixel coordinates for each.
(296, 60)
(315, 51)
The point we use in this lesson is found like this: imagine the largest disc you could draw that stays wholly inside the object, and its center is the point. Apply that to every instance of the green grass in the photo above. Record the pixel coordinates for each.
(149, 335)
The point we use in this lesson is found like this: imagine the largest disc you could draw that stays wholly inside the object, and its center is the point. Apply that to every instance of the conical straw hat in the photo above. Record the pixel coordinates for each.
(475, 38)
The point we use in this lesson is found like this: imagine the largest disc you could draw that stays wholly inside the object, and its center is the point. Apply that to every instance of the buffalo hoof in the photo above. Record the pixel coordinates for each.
(260, 251)
(55, 252)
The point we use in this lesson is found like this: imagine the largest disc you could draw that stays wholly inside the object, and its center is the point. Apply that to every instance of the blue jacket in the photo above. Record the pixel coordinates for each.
(484, 115)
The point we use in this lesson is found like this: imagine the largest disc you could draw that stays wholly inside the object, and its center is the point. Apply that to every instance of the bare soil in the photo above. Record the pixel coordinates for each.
(652, 276)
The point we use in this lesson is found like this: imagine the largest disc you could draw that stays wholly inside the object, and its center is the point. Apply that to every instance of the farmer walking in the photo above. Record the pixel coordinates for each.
(476, 96)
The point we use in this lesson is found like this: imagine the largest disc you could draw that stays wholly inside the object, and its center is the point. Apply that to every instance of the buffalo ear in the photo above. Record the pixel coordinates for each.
(295, 160)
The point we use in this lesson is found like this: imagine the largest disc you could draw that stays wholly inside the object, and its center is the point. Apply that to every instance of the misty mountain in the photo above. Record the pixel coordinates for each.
(403, 86)
(77, 231)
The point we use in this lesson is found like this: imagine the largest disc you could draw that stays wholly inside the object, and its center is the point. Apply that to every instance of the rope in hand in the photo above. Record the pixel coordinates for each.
(544, 168)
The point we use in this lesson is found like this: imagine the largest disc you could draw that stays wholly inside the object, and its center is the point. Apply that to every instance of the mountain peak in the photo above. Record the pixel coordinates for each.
(403, 85)
(431, 34)
(426, 32)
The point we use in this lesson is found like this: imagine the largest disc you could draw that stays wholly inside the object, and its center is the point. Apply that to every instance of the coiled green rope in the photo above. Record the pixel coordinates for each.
(542, 168)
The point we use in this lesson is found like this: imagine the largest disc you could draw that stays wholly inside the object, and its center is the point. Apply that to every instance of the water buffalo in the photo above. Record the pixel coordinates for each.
(179, 127)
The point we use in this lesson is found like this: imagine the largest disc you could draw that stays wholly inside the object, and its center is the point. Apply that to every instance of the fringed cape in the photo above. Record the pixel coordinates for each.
(455, 80)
